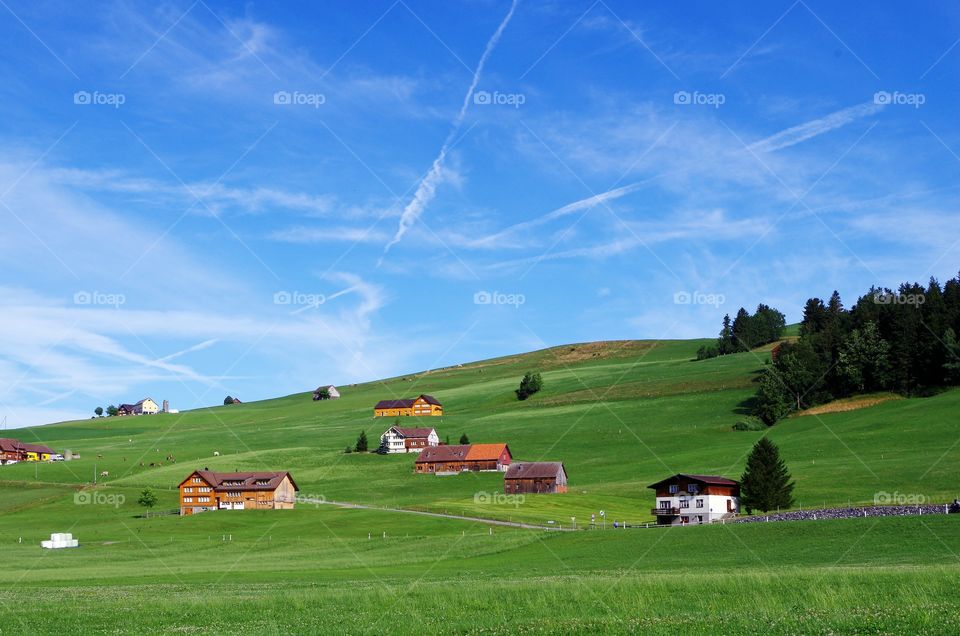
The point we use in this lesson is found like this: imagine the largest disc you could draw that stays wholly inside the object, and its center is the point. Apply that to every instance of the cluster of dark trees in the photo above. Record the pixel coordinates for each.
(746, 332)
(903, 341)
(530, 384)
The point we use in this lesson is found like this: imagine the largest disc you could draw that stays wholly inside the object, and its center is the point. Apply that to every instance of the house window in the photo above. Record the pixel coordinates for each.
(204, 489)
(674, 488)
(694, 488)
(188, 490)
(684, 503)
(203, 499)
(188, 500)
(665, 504)
(699, 503)
(197, 480)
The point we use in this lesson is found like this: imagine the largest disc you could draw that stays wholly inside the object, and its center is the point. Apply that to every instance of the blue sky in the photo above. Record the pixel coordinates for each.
(204, 198)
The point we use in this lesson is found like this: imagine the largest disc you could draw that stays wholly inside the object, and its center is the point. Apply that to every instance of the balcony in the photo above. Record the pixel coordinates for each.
(664, 512)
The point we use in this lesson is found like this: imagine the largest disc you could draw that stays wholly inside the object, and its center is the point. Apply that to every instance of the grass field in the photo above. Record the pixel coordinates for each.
(621, 415)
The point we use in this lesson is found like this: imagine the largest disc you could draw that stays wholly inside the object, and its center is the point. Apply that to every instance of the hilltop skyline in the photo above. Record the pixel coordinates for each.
(200, 199)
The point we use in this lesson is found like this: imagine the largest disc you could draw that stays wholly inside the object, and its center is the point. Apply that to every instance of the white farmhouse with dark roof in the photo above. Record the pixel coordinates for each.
(684, 499)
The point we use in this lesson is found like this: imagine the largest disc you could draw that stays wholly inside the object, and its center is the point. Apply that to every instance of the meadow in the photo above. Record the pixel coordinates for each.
(620, 415)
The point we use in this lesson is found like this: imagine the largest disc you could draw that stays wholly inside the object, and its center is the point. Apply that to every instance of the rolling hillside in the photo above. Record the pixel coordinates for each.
(619, 414)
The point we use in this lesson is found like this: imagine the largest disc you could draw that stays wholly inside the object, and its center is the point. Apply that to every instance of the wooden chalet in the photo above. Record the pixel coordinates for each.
(424, 405)
(463, 458)
(535, 477)
(11, 451)
(693, 499)
(205, 490)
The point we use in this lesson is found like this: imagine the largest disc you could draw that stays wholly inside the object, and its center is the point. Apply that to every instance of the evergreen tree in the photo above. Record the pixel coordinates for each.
(384, 447)
(361, 446)
(464, 439)
(814, 317)
(744, 334)
(952, 364)
(725, 343)
(765, 484)
(863, 364)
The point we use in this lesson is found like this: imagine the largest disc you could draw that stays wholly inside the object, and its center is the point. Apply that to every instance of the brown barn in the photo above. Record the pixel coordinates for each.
(535, 477)
(11, 450)
(206, 490)
(462, 458)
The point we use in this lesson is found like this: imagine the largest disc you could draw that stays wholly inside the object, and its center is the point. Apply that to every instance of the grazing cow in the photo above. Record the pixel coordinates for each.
(216, 453)
(152, 465)
(104, 473)
(99, 456)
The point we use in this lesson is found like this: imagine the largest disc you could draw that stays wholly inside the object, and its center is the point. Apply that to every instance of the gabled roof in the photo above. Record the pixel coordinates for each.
(140, 403)
(35, 448)
(406, 403)
(10, 445)
(714, 480)
(394, 404)
(535, 470)
(324, 386)
(443, 454)
(127, 407)
(412, 432)
(242, 481)
(485, 452)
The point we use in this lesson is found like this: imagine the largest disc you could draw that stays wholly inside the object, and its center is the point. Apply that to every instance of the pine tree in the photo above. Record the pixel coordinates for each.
(464, 439)
(361, 446)
(765, 483)
(952, 365)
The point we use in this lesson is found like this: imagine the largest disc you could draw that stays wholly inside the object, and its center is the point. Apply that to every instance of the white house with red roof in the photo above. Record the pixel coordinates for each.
(400, 439)
(693, 499)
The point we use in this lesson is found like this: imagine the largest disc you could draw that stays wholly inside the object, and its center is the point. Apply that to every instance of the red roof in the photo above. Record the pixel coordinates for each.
(462, 452)
(36, 448)
(714, 480)
(242, 481)
(10, 445)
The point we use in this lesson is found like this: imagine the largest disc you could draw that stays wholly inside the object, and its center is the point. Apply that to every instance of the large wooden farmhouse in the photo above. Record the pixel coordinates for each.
(463, 458)
(535, 477)
(146, 406)
(409, 440)
(12, 451)
(684, 499)
(206, 490)
(418, 406)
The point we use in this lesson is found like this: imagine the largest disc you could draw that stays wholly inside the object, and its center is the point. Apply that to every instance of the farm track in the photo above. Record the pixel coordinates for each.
(442, 515)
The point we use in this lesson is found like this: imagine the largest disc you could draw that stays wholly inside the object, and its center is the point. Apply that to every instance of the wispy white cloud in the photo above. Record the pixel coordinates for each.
(814, 128)
(427, 188)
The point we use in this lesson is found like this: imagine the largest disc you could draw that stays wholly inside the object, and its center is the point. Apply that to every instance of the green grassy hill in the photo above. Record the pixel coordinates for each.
(620, 415)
